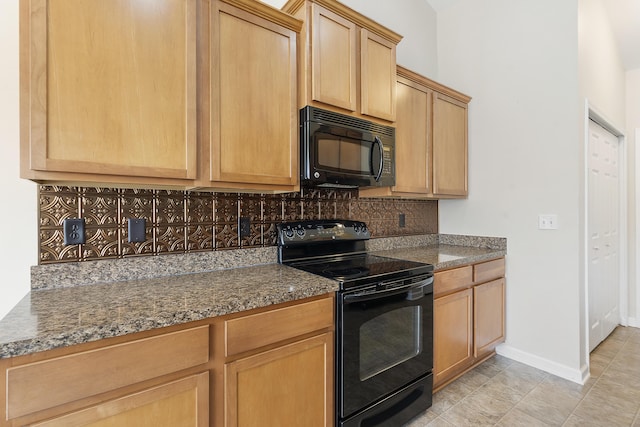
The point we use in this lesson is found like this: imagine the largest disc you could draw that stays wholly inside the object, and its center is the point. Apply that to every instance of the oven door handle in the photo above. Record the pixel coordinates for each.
(414, 292)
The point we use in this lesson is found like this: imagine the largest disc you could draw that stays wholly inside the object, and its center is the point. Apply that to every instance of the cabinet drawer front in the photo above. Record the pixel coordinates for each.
(184, 402)
(488, 270)
(257, 330)
(450, 280)
(46, 384)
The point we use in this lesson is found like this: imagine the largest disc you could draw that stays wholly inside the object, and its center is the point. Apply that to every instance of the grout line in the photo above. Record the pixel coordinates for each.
(524, 397)
(442, 416)
(596, 382)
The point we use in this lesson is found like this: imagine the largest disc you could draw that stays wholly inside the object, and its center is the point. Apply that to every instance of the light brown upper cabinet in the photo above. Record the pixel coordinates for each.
(449, 146)
(108, 99)
(348, 61)
(431, 141)
(113, 101)
(250, 119)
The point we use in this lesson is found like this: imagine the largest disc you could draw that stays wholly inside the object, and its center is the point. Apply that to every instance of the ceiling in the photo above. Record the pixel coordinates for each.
(625, 19)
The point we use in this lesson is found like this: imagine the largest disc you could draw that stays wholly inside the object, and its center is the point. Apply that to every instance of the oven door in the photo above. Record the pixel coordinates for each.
(385, 341)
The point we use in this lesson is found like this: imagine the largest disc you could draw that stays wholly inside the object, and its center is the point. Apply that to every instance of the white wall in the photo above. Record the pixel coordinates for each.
(601, 70)
(415, 20)
(18, 214)
(519, 62)
(632, 130)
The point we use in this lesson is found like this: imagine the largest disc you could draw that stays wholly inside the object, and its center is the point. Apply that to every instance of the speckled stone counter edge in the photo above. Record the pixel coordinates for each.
(51, 276)
(54, 318)
(498, 243)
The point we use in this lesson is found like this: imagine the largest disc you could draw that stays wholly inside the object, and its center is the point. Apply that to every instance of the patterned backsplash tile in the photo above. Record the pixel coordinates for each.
(186, 221)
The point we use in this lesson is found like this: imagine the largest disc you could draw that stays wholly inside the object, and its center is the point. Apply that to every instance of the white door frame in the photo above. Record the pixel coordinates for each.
(636, 320)
(591, 113)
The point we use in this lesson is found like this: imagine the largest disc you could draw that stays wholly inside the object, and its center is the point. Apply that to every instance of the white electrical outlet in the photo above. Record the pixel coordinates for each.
(548, 222)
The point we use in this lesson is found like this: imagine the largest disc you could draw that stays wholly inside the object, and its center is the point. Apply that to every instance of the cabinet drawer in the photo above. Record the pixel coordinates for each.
(257, 330)
(450, 280)
(488, 270)
(184, 402)
(49, 383)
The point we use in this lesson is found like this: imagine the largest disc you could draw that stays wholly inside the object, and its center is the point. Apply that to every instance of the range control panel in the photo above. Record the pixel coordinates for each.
(321, 231)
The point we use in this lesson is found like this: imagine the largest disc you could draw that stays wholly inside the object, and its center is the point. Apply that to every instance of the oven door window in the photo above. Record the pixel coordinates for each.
(400, 330)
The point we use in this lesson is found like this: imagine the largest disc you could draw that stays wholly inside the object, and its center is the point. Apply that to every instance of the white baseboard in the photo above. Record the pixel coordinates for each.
(579, 376)
(632, 321)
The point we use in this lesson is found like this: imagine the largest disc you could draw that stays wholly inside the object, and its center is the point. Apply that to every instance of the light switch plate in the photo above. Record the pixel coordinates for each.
(548, 222)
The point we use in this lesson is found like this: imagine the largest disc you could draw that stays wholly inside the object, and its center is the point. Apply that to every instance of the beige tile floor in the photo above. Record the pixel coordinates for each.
(502, 392)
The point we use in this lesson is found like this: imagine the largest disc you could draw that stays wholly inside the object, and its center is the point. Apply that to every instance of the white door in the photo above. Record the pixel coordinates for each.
(603, 225)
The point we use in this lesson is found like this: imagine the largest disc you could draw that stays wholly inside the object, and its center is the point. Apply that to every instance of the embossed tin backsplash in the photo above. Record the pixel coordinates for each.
(186, 221)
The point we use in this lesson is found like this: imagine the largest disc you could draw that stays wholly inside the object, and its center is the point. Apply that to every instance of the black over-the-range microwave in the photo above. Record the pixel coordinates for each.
(342, 151)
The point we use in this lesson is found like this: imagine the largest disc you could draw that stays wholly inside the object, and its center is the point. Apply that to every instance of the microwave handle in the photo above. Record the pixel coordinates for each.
(378, 142)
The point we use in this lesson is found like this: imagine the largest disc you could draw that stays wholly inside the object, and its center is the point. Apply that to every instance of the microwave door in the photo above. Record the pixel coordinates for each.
(377, 158)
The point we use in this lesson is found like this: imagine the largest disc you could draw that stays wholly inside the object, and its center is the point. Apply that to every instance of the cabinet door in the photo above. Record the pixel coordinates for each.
(452, 335)
(488, 309)
(377, 76)
(333, 59)
(449, 147)
(182, 403)
(287, 386)
(254, 132)
(413, 159)
(112, 96)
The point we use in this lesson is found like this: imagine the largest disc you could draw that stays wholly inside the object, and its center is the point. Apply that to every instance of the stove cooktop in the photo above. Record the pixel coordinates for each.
(336, 249)
(354, 270)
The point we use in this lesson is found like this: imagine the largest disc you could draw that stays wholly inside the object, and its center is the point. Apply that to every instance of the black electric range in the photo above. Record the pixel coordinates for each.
(384, 321)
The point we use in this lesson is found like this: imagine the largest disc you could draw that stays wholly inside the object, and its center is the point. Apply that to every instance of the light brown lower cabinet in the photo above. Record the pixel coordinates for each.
(468, 317)
(453, 334)
(263, 367)
(278, 371)
(488, 312)
(285, 386)
(142, 377)
(181, 403)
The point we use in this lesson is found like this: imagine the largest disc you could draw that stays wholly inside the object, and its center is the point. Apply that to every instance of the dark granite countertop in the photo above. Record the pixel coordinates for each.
(52, 318)
(444, 256)
(75, 303)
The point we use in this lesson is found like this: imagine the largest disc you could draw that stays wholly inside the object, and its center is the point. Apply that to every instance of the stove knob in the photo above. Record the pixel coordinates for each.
(289, 233)
(356, 229)
(364, 228)
(300, 232)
